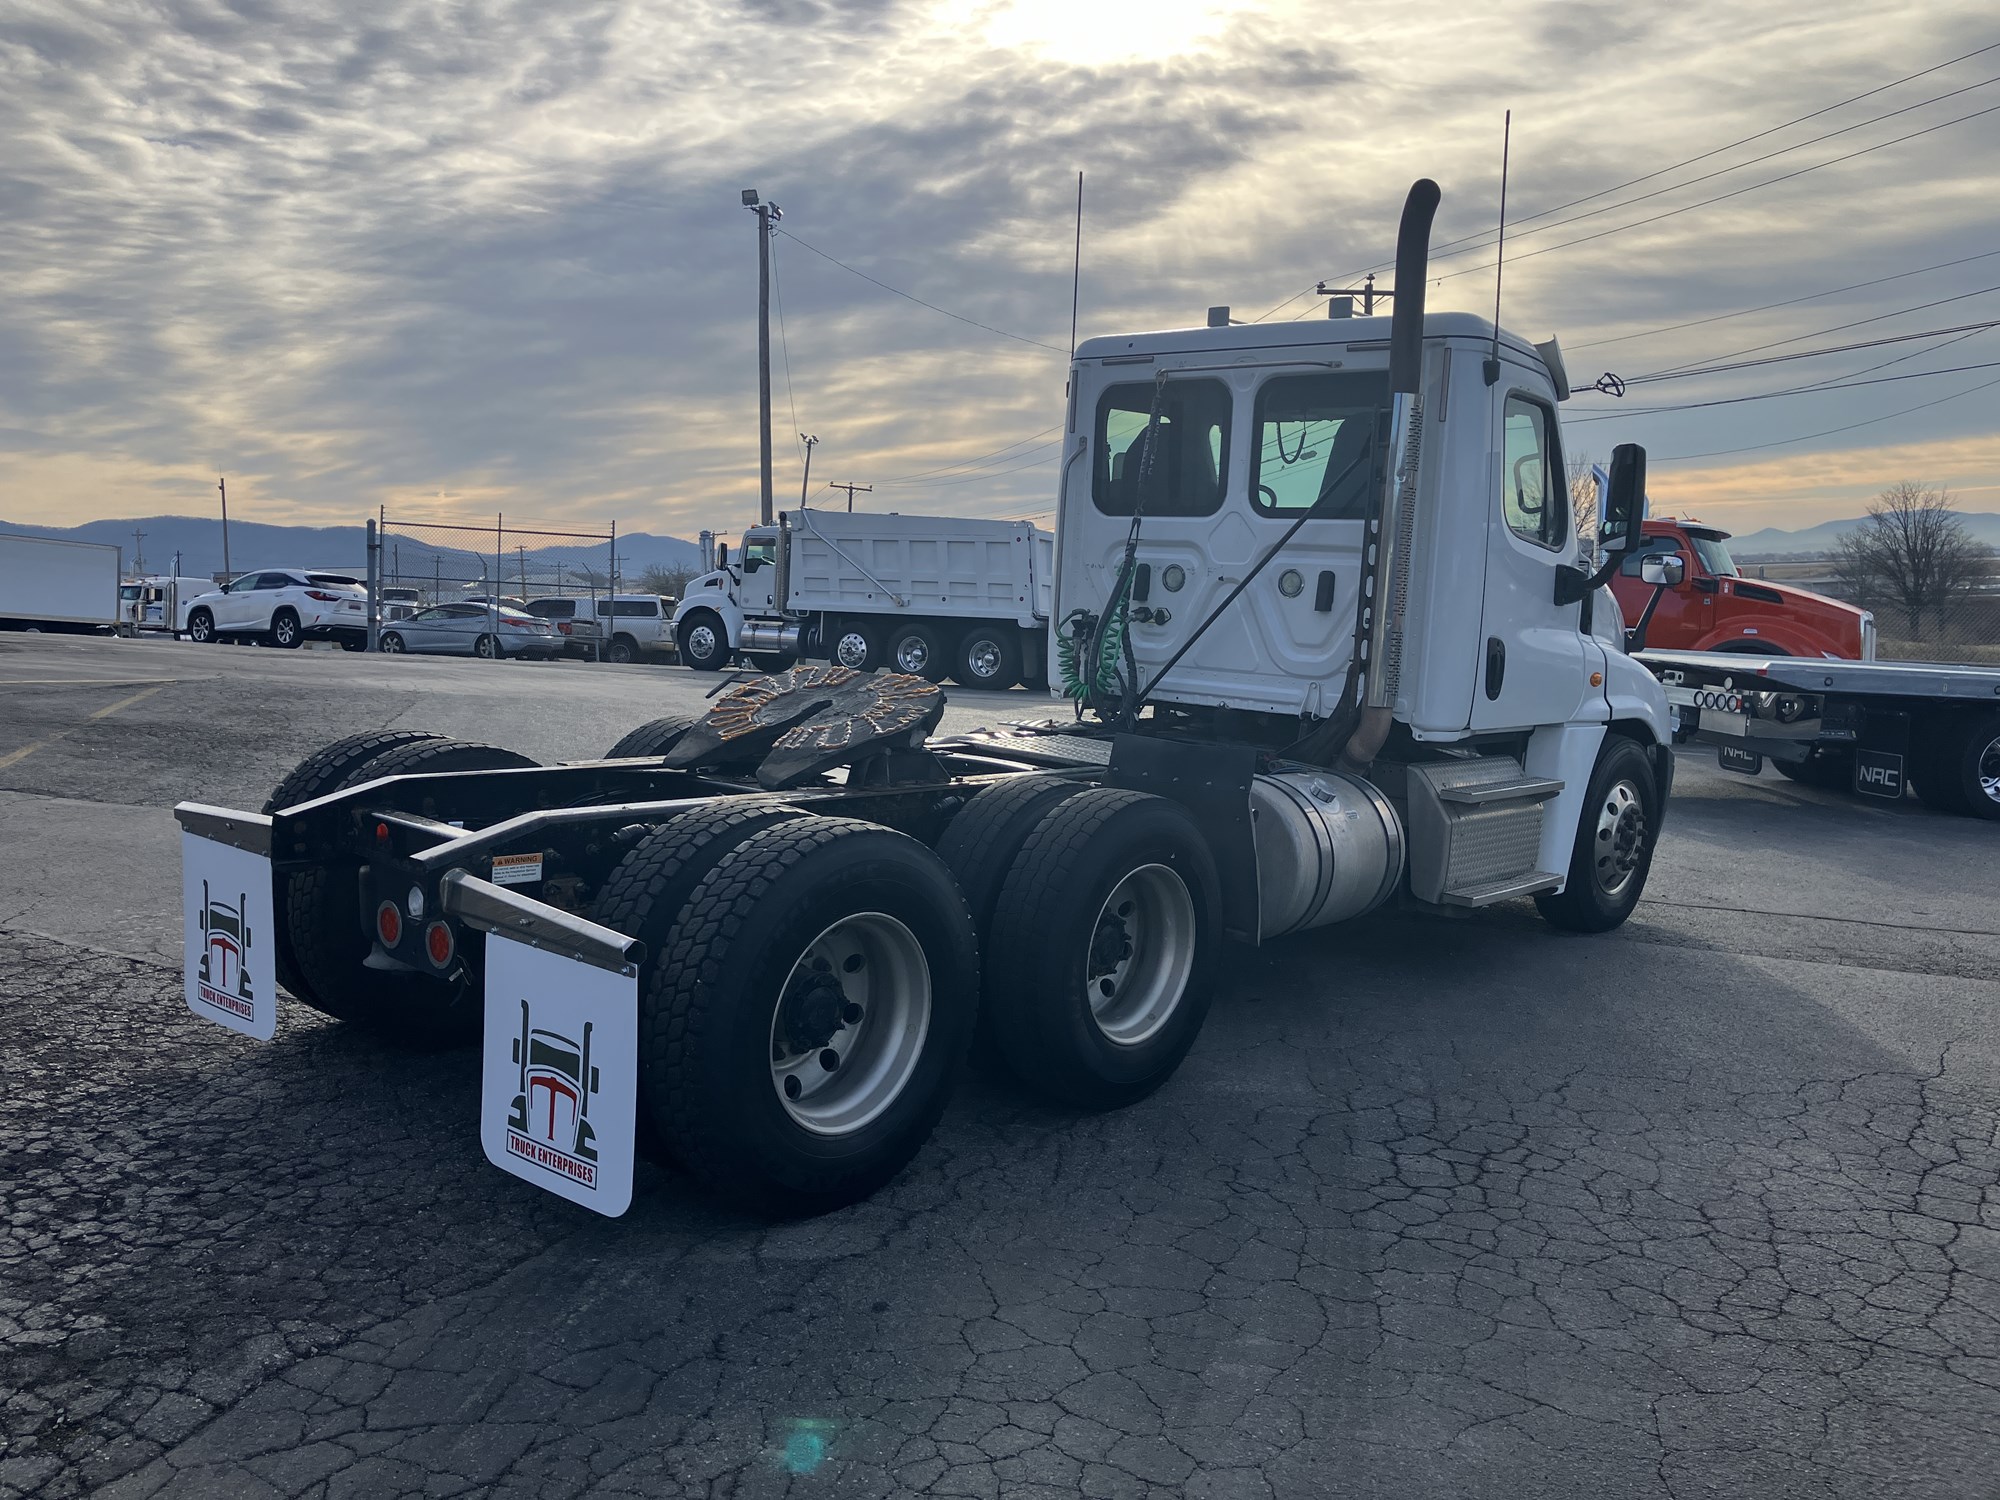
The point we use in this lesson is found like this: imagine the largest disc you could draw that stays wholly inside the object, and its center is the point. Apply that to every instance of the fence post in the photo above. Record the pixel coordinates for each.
(374, 586)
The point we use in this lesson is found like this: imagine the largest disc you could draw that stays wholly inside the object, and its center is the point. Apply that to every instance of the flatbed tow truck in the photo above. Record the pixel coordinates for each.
(1320, 607)
(1873, 726)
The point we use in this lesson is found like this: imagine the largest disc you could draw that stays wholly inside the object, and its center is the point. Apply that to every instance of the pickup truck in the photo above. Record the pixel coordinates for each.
(1715, 608)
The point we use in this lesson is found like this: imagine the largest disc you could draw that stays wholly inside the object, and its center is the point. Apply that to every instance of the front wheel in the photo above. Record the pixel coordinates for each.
(703, 644)
(201, 627)
(1615, 835)
(1104, 948)
(803, 1020)
(392, 643)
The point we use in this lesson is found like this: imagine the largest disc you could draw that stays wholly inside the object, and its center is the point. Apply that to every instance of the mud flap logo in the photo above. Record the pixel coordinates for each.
(558, 1106)
(227, 967)
(1877, 773)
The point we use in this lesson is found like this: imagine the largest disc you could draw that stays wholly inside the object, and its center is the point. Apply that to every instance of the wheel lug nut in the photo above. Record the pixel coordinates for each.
(829, 1059)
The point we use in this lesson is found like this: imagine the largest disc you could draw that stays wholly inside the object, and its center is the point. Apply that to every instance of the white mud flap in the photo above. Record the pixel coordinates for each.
(559, 1100)
(229, 962)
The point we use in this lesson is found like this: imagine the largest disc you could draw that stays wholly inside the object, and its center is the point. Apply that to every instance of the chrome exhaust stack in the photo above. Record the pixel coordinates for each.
(1389, 534)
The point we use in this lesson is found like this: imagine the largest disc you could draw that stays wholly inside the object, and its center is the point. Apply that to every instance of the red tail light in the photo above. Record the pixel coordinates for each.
(563, 626)
(323, 598)
(438, 943)
(388, 924)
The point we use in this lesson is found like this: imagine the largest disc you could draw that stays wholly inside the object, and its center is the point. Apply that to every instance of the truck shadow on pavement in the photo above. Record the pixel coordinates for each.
(1430, 1209)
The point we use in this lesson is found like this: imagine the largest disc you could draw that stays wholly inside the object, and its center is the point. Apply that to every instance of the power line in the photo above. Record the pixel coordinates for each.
(1675, 370)
(960, 317)
(1787, 303)
(1689, 371)
(1033, 463)
(1723, 197)
(1675, 187)
(972, 463)
(1817, 390)
(784, 344)
(1831, 431)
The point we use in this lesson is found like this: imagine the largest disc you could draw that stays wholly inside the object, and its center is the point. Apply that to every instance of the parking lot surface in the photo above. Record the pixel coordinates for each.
(1436, 1207)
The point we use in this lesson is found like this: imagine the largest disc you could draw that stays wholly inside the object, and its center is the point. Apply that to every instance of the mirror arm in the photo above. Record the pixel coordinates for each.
(1635, 638)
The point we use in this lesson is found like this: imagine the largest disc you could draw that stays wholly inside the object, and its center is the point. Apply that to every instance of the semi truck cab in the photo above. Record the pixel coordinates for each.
(1715, 608)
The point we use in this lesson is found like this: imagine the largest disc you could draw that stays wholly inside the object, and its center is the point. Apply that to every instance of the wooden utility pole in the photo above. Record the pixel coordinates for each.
(768, 215)
(805, 480)
(866, 489)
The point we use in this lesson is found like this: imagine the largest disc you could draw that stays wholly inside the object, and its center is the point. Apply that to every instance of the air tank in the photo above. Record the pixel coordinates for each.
(1329, 847)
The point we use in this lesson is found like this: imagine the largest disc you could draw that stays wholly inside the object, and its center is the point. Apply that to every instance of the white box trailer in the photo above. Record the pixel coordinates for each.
(55, 585)
(936, 596)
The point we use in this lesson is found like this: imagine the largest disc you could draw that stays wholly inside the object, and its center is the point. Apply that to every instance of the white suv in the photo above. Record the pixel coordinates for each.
(285, 607)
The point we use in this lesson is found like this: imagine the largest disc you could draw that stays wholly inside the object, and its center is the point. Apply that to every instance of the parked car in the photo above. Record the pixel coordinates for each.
(638, 625)
(1715, 608)
(461, 629)
(284, 607)
(399, 603)
(573, 621)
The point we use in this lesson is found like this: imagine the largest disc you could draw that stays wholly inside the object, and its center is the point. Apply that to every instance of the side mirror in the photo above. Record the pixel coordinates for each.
(1624, 510)
(722, 554)
(1663, 569)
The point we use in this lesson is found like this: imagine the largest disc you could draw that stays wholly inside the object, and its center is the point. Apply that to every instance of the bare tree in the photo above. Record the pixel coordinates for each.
(1912, 552)
(671, 582)
(1583, 501)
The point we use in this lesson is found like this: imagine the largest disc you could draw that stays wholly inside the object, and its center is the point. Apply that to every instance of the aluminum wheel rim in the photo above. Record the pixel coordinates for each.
(881, 993)
(485, 646)
(1621, 838)
(701, 642)
(851, 650)
(201, 629)
(285, 630)
(392, 644)
(912, 655)
(984, 659)
(1141, 955)
(1989, 769)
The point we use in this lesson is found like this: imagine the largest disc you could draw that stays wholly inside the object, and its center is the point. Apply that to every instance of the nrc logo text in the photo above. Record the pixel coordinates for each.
(1878, 774)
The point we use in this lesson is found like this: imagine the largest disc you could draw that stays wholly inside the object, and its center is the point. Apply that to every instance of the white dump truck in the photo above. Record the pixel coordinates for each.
(934, 596)
(1320, 602)
(56, 585)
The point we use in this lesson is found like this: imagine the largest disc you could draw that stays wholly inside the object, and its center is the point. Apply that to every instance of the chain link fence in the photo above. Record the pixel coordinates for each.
(1962, 625)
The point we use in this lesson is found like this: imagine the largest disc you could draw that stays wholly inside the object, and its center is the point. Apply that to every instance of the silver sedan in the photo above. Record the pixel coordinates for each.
(472, 630)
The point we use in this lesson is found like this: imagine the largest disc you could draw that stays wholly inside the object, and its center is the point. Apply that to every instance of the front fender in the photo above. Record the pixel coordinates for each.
(1782, 637)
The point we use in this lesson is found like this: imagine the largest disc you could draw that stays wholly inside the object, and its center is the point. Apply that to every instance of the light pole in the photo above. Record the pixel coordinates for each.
(811, 443)
(768, 215)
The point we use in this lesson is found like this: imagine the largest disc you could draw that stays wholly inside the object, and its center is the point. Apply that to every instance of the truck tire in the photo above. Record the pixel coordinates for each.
(647, 889)
(915, 647)
(855, 644)
(1104, 948)
(704, 644)
(323, 771)
(201, 627)
(988, 656)
(1963, 767)
(1615, 836)
(654, 737)
(320, 912)
(770, 663)
(801, 1027)
(979, 847)
(285, 631)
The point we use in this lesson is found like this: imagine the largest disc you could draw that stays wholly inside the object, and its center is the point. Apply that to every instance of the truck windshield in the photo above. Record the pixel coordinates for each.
(1714, 554)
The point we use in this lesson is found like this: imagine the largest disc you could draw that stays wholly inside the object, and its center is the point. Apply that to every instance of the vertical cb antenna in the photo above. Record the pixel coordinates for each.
(1492, 366)
(1076, 274)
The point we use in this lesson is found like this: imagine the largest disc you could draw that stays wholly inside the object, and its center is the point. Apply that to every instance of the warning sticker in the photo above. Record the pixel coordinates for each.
(517, 869)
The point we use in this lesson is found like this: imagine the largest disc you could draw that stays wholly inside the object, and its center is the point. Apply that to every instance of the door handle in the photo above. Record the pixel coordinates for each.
(1496, 666)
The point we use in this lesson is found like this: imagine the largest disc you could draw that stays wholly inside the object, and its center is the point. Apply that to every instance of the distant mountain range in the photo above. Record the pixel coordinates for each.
(257, 544)
(1814, 541)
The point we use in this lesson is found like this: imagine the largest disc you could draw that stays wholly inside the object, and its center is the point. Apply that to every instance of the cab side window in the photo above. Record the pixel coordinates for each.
(1533, 496)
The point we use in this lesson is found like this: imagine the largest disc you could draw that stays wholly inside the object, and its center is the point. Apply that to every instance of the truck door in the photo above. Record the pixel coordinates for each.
(1532, 669)
(760, 573)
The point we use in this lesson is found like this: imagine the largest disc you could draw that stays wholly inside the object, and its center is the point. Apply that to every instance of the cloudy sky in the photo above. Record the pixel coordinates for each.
(464, 257)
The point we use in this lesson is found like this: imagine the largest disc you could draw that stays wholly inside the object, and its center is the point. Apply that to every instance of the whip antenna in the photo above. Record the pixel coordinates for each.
(1492, 365)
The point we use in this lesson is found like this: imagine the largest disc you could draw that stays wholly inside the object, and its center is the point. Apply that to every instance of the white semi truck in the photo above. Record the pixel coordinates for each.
(934, 596)
(55, 585)
(1320, 603)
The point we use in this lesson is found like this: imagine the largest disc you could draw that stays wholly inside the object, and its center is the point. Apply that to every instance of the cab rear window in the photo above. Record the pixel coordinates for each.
(1191, 457)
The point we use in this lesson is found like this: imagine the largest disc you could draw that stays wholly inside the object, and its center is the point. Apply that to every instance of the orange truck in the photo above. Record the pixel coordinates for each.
(1715, 608)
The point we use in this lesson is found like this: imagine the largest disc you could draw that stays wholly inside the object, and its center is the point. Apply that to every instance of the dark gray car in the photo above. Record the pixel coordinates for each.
(472, 630)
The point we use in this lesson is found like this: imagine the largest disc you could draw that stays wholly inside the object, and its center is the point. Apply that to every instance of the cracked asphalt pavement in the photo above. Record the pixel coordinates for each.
(1436, 1207)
